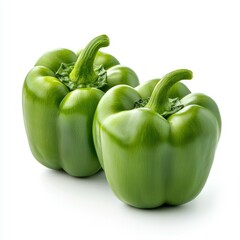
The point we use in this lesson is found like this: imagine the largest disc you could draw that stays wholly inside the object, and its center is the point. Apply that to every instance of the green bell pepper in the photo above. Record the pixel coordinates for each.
(157, 150)
(59, 99)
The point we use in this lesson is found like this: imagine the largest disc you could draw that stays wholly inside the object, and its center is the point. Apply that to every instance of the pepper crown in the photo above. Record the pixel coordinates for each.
(159, 101)
(83, 73)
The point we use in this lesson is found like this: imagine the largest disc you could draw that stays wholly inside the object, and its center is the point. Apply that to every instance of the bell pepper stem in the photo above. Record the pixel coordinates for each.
(159, 101)
(83, 71)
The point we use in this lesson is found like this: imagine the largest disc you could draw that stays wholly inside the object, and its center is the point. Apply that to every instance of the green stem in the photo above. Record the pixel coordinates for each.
(83, 71)
(159, 101)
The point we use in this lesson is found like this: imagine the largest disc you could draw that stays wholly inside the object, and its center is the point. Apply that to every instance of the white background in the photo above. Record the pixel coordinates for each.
(153, 38)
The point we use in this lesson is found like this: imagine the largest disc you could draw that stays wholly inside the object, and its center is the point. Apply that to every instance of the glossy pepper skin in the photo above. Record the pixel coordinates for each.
(59, 99)
(160, 153)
